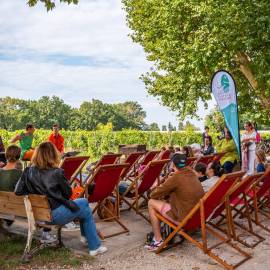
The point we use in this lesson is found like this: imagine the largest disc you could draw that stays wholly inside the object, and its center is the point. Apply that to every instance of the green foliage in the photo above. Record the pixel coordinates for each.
(49, 4)
(96, 143)
(188, 40)
(16, 113)
(152, 127)
(215, 120)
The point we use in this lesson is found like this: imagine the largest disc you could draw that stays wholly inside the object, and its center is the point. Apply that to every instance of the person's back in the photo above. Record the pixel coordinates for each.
(183, 189)
(10, 174)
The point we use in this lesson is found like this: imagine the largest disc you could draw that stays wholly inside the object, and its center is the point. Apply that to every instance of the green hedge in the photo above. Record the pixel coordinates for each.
(95, 143)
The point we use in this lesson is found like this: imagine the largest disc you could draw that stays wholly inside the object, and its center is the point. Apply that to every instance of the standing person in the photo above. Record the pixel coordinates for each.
(208, 148)
(248, 140)
(230, 158)
(205, 133)
(182, 188)
(57, 139)
(2, 153)
(25, 140)
(44, 177)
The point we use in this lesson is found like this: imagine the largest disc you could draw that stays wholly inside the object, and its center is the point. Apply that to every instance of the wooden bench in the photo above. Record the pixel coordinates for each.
(36, 209)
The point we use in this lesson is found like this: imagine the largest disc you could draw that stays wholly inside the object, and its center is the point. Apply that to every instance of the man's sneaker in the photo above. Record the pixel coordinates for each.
(71, 226)
(83, 240)
(100, 250)
(48, 238)
(154, 245)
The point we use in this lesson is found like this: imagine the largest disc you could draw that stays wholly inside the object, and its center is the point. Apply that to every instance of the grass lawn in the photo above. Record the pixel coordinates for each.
(11, 250)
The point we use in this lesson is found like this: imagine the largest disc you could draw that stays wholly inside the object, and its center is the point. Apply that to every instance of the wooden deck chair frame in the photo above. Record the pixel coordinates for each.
(258, 201)
(239, 192)
(114, 216)
(199, 210)
(131, 170)
(78, 170)
(135, 185)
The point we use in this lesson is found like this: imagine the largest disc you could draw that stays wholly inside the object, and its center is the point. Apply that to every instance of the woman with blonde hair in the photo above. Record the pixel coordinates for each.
(44, 177)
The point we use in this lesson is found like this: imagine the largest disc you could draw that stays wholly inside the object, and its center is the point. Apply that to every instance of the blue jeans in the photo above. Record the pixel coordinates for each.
(62, 215)
(228, 167)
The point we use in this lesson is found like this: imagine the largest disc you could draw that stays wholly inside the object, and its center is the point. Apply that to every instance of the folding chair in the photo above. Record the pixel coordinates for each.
(218, 156)
(164, 154)
(73, 166)
(141, 184)
(258, 200)
(197, 218)
(206, 159)
(236, 197)
(132, 160)
(105, 180)
(108, 159)
(191, 161)
(149, 156)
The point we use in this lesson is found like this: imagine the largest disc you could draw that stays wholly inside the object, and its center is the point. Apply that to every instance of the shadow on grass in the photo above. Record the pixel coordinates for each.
(11, 250)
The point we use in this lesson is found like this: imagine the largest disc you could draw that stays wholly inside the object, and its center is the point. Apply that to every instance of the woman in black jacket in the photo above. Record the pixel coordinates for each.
(44, 177)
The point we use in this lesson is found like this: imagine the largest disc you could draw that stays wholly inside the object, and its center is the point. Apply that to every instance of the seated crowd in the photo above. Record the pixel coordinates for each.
(174, 198)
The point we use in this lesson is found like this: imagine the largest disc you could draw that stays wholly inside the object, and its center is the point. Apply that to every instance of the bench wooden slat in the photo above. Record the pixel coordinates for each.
(14, 205)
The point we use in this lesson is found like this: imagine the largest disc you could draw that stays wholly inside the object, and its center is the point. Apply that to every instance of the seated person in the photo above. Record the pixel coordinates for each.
(11, 172)
(227, 145)
(208, 148)
(44, 177)
(183, 190)
(2, 153)
(188, 151)
(26, 139)
(214, 172)
(57, 139)
(261, 161)
(200, 171)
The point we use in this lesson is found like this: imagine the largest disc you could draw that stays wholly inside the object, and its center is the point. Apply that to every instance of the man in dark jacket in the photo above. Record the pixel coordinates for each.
(182, 190)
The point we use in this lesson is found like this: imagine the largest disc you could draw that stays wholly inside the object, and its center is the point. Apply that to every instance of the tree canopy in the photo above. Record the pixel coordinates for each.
(50, 4)
(189, 40)
(16, 113)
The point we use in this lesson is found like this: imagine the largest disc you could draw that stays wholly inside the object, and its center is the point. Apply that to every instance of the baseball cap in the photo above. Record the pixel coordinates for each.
(179, 160)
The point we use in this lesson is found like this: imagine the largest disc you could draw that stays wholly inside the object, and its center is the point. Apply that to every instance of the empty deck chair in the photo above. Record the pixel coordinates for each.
(197, 219)
(73, 166)
(132, 159)
(141, 184)
(105, 180)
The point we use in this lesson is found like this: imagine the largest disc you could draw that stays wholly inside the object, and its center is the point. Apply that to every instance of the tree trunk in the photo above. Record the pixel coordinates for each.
(243, 62)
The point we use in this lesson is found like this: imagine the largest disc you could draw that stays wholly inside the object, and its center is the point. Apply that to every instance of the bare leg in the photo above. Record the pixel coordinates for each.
(155, 206)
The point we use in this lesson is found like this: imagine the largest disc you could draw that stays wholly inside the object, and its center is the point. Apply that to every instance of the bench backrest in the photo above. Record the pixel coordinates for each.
(11, 204)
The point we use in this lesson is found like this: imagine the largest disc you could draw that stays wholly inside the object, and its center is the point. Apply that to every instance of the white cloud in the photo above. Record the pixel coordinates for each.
(32, 41)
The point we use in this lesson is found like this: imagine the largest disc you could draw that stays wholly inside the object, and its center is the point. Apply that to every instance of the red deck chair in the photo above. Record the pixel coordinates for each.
(141, 184)
(206, 159)
(132, 159)
(190, 161)
(164, 154)
(73, 166)
(106, 179)
(149, 156)
(218, 156)
(108, 159)
(259, 200)
(237, 197)
(197, 218)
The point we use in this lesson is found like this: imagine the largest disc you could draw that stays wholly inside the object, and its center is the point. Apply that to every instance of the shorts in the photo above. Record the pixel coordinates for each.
(164, 210)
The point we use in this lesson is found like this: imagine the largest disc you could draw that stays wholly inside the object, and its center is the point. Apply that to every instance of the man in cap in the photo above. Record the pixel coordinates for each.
(174, 198)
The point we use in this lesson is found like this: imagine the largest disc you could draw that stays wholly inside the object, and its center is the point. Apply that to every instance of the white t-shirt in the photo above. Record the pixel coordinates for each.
(252, 135)
(209, 183)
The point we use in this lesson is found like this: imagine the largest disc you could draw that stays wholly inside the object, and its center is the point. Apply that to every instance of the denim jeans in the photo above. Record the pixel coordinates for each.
(228, 167)
(62, 215)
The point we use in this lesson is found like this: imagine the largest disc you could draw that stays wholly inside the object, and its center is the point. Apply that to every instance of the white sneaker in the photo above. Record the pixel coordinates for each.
(84, 240)
(48, 238)
(71, 226)
(100, 250)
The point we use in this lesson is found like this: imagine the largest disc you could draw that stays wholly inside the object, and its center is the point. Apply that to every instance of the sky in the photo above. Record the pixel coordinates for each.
(78, 53)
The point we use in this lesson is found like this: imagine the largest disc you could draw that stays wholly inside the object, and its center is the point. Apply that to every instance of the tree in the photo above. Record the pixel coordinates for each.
(170, 126)
(49, 4)
(164, 128)
(153, 127)
(215, 120)
(187, 41)
(180, 126)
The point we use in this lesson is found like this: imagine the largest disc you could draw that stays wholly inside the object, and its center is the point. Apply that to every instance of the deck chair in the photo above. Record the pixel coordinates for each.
(73, 166)
(149, 156)
(141, 184)
(218, 156)
(206, 159)
(190, 161)
(258, 201)
(164, 154)
(197, 218)
(132, 159)
(108, 159)
(235, 198)
(105, 180)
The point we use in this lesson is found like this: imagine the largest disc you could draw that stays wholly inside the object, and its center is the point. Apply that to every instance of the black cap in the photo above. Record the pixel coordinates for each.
(179, 160)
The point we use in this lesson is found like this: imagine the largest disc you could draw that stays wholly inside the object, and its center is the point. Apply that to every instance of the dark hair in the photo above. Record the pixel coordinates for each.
(218, 170)
(55, 125)
(179, 160)
(28, 126)
(210, 139)
(249, 124)
(206, 127)
(200, 167)
(188, 151)
(13, 153)
(229, 133)
(177, 149)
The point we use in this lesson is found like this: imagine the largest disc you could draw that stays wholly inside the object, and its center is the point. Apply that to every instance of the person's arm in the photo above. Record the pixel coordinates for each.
(64, 185)
(16, 138)
(62, 140)
(165, 189)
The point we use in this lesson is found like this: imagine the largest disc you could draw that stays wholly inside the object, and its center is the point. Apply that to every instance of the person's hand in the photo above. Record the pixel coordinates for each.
(2, 164)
